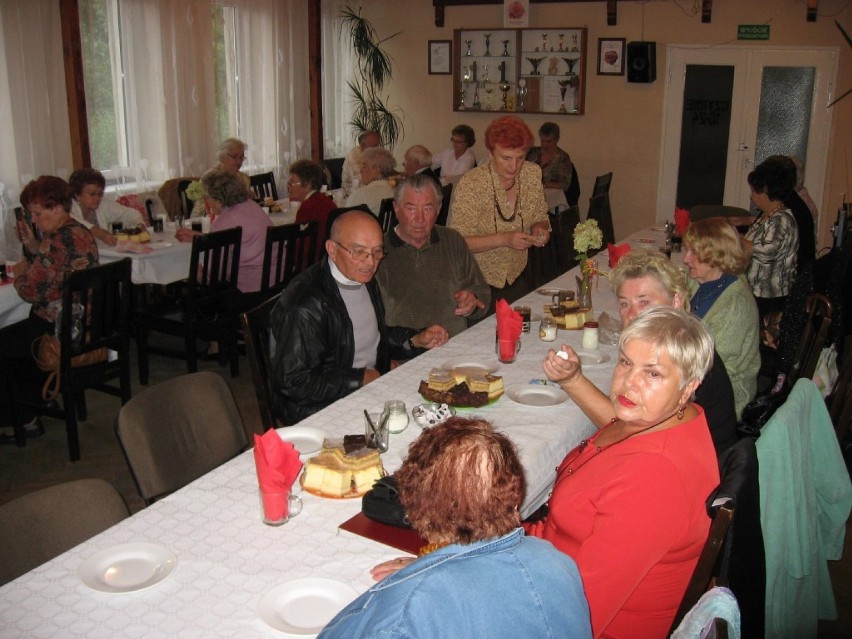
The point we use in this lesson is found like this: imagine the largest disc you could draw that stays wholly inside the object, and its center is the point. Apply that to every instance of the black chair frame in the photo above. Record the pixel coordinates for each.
(289, 249)
(263, 185)
(257, 334)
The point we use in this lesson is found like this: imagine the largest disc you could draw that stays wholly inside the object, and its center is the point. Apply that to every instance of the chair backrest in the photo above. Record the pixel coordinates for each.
(214, 266)
(387, 216)
(178, 430)
(702, 576)
(263, 185)
(289, 250)
(447, 191)
(818, 311)
(599, 210)
(563, 224)
(186, 204)
(572, 193)
(334, 170)
(258, 335)
(602, 184)
(99, 297)
(43, 524)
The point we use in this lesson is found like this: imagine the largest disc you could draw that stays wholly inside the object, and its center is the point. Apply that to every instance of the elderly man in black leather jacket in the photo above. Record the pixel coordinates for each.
(328, 326)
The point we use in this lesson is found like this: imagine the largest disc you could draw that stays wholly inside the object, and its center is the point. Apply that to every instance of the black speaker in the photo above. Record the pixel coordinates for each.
(641, 61)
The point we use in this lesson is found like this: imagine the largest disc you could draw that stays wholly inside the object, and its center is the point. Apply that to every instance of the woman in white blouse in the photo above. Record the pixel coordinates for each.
(457, 159)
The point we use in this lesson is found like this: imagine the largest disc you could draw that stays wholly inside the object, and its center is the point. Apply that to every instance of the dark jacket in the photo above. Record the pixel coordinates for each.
(314, 345)
(716, 396)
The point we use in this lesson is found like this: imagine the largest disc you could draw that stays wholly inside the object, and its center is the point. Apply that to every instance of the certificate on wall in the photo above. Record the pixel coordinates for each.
(440, 57)
(516, 13)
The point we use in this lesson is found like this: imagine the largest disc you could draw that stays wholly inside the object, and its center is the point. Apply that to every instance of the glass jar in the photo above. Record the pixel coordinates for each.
(590, 336)
(547, 329)
(397, 416)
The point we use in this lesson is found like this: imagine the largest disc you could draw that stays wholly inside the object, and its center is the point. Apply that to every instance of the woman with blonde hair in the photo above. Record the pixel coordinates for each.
(717, 257)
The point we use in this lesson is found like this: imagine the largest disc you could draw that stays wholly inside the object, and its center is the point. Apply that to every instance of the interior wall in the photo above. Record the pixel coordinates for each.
(621, 129)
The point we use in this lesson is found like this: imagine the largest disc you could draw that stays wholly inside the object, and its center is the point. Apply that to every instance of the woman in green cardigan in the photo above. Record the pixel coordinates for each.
(717, 257)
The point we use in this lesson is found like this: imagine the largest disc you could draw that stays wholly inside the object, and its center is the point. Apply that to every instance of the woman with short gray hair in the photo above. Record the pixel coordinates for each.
(377, 165)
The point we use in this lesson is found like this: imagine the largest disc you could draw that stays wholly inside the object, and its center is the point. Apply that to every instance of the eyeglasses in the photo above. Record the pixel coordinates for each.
(296, 183)
(361, 254)
(240, 158)
(456, 141)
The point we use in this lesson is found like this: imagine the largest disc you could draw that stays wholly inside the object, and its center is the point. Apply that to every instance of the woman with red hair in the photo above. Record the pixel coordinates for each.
(500, 208)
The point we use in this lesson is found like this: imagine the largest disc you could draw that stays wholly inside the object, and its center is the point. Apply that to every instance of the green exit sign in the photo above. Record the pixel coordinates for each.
(753, 32)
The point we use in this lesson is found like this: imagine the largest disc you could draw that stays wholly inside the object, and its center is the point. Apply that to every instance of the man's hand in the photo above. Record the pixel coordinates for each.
(562, 371)
(435, 335)
(103, 235)
(466, 302)
(370, 375)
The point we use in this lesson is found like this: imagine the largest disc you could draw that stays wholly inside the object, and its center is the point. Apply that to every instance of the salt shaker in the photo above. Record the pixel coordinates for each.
(397, 416)
(590, 336)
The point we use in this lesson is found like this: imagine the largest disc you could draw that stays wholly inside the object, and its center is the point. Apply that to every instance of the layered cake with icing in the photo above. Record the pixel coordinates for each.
(461, 387)
(335, 473)
(138, 235)
(569, 314)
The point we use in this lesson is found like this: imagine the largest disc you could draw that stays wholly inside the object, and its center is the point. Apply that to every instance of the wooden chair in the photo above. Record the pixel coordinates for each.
(572, 193)
(258, 336)
(602, 184)
(186, 205)
(814, 336)
(104, 291)
(334, 172)
(387, 216)
(43, 524)
(599, 210)
(263, 185)
(289, 250)
(206, 307)
(562, 234)
(179, 430)
(705, 570)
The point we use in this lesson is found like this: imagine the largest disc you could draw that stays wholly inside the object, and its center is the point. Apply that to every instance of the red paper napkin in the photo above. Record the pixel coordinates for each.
(681, 221)
(616, 253)
(277, 463)
(509, 327)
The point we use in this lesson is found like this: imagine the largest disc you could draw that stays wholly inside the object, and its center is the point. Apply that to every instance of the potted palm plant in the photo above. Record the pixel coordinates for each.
(373, 70)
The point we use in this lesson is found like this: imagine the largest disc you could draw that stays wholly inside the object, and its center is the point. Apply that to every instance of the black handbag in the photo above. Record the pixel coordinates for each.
(381, 503)
(758, 411)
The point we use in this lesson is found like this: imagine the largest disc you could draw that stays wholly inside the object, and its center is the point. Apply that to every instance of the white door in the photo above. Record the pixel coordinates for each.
(727, 108)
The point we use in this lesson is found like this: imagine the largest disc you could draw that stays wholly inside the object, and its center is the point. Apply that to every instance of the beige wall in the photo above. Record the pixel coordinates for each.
(621, 130)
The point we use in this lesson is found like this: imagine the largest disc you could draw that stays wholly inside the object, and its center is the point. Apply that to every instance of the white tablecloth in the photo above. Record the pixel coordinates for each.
(12, 307)
(167, 263)
(227, 559)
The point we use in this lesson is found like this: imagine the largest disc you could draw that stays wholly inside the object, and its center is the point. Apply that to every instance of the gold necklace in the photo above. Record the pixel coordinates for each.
(425, 550)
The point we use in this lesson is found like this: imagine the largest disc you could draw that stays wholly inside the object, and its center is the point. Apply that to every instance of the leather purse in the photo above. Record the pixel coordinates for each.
(759, 411)
(381, 503)
(47, 352)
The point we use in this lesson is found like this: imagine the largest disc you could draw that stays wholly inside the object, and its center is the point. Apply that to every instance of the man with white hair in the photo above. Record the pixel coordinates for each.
(418, 160)
(377, 165)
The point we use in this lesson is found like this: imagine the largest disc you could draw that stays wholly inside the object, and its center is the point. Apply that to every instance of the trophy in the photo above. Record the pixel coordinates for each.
(563, 87)
(505, 48)
(522, 95)
(535, 62)
(504, 86)
(574, 47)
(468, 43)
(476, 103)
(570, 62)
(473, 72)
(544, 43)
(464, 83)
(562, 42)
(485, 73)
(487, 45)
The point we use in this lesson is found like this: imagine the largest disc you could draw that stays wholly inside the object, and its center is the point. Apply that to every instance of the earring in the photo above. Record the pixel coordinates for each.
(680, 412)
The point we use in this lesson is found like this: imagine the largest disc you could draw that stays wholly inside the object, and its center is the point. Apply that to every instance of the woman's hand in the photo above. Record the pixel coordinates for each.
(541, 231)
(104, 236)
(560, 370)
(519, 240)
(387, 568)
(185, 235)
(19, 268)
(27, 236)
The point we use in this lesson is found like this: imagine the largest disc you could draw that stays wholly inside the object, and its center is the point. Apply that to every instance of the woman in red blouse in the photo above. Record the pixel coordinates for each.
(65, 246)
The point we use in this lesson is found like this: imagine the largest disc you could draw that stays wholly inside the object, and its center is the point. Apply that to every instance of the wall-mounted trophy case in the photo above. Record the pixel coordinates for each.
(520, 70)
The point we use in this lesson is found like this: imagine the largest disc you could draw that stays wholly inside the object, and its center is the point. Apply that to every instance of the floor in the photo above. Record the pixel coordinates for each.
(44, 462)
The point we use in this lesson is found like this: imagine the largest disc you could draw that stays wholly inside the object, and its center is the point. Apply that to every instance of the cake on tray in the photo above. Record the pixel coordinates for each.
(337, 474)
(461, 388)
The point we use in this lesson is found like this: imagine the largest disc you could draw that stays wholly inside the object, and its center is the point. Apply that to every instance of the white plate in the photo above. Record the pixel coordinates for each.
(127, 567)
(159, 245)
(303, 607)
(592, 358)
(308, 441)
(536, 394)
(469, 366)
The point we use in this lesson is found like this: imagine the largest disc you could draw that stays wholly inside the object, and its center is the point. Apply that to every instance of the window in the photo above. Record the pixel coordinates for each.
(226, 78)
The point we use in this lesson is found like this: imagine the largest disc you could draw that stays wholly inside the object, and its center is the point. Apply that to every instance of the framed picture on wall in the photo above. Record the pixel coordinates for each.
(440, 57)
(611, 56)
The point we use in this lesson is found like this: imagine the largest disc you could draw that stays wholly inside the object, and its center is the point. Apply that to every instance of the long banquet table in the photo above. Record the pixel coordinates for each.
(227, 559)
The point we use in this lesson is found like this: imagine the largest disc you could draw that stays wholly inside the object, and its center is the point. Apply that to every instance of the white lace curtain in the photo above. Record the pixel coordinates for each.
(168, 62)
(338, 67)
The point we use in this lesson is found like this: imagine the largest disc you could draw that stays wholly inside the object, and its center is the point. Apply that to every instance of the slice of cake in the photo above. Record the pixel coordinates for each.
(334, 473)
(441, 380)
(485, 383)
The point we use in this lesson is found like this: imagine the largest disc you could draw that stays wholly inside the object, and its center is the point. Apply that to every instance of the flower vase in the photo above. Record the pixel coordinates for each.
(584, 290)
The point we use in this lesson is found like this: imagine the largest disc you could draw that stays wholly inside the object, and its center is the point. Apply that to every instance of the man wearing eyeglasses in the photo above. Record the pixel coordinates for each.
(328, 327)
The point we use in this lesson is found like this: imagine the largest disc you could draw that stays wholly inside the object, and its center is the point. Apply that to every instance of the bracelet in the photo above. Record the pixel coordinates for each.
(411, 345)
